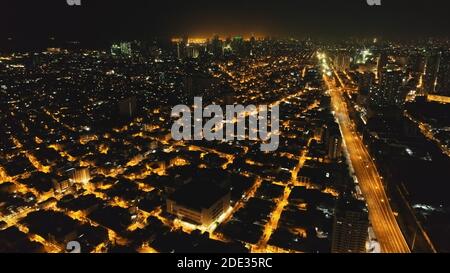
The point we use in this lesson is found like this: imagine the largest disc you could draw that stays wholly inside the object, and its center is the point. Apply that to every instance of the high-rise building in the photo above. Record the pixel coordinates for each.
(391, 86)
(121, 49)
(443, 78)
(125, 47)
(365, 81)
(416, 63)
(127, 107)
(431, 72)
(333, 140)
(64, 186)
(252, 45)
(335, 146)
(383, 60)
(239, 46)
(350, 226)
(199, 203)
(81, 175)
(192, 51)
(416, 67)
(216, 46)
(182, 48)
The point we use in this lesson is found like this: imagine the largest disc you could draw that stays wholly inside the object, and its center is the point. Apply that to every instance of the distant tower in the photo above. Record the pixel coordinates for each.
(182, 48)
(350, 227)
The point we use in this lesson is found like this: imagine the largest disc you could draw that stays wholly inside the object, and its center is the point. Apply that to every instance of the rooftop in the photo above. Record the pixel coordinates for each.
(198, 195)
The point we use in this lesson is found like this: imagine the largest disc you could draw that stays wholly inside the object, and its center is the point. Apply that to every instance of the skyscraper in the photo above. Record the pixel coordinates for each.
(238, 46)
(350, 226)
(443, 78)
(390, 86)
(182, 48)
(125, 48)
(192, 51)
(416, 66)
(121, 49)
(333, 141)
(365, 81)
(382, 62)
(216, 46)
(431, 72)
(416, 63)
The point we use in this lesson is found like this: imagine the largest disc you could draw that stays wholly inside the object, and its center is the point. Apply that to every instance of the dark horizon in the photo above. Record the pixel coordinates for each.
(30, 24)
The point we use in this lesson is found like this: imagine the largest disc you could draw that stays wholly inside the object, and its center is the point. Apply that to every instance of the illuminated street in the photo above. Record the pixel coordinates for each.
(380, 212)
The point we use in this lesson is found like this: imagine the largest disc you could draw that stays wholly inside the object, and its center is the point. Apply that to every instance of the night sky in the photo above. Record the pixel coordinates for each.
(102, 20)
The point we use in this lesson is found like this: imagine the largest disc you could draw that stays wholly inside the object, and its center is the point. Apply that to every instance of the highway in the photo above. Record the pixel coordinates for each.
(380, 213)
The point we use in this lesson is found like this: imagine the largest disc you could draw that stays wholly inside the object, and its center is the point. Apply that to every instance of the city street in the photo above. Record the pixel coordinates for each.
(380, 212)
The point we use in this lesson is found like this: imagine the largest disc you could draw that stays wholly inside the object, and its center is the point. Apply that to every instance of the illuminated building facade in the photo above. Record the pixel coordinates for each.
(199, 203)
(81, 175)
